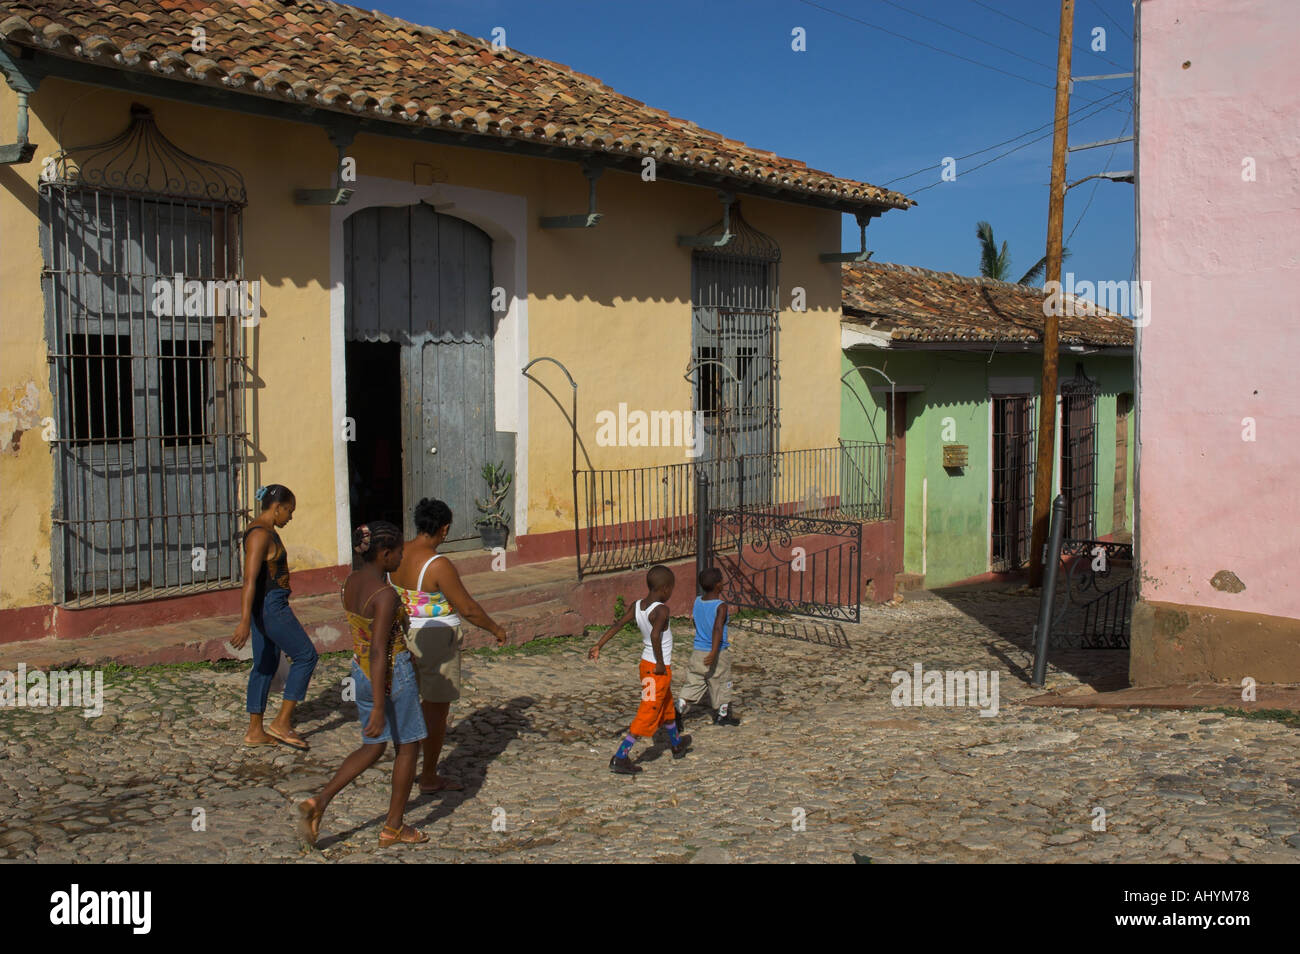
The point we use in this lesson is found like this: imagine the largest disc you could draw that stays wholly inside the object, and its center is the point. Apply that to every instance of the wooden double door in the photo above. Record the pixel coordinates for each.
(420, 366)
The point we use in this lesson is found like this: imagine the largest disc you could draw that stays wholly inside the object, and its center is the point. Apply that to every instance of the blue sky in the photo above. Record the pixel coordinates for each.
(864, 104)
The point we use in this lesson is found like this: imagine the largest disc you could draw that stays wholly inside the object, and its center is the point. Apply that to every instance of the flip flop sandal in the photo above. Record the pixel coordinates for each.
(451, 786)
(254, 745)
(406, 835)
(285, 740)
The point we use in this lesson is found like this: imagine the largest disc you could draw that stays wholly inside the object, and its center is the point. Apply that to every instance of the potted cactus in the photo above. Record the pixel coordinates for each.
(493, 521)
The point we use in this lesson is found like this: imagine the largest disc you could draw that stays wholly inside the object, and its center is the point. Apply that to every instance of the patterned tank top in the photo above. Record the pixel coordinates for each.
(274, 574)
(361, 635)
(424, 607)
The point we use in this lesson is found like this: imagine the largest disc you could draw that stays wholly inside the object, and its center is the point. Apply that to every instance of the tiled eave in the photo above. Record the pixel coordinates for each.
(192, 78)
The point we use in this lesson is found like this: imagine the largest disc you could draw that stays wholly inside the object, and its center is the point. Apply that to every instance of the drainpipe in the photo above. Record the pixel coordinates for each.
(925, 513)
(21, 151)
(1138, 573)
(23, 80)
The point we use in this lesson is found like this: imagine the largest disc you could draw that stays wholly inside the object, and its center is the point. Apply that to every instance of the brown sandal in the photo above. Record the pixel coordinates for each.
(406, 835)
(289, 740)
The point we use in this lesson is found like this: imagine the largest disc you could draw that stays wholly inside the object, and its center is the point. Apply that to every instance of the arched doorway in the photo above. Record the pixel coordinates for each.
(419, 363)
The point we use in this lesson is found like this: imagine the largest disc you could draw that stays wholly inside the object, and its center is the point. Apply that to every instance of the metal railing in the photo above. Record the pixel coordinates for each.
(1096, 605)
(637, 516)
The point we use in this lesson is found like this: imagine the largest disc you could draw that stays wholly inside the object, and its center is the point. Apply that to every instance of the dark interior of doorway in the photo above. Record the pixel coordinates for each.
(375, 453)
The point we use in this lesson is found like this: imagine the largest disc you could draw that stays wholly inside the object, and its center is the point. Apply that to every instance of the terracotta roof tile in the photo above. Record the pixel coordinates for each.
(354, 60)
(917, 304)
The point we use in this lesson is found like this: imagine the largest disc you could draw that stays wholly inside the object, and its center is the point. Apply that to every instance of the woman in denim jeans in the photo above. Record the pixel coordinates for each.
(274, 628)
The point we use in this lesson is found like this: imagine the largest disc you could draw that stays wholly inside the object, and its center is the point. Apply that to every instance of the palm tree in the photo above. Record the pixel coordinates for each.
(995, 263)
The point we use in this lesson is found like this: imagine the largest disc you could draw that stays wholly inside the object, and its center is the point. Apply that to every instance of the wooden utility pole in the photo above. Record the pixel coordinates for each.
(1051, 340)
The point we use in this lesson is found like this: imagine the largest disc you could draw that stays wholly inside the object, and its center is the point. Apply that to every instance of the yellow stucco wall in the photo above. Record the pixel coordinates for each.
(612, 303)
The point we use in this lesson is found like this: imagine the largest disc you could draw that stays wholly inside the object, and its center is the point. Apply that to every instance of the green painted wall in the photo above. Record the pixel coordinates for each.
(955, 398)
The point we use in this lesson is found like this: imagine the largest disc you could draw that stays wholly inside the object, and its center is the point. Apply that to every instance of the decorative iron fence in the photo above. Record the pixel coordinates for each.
(633, 517)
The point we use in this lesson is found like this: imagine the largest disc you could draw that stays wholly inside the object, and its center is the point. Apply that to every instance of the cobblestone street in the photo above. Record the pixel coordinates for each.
(534, 731)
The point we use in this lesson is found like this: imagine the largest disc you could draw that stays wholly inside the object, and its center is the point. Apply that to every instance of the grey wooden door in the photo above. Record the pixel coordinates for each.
(424, 280)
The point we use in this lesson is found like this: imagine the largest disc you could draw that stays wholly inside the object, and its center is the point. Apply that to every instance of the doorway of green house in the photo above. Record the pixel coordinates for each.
(374, 432)
(1013, 480)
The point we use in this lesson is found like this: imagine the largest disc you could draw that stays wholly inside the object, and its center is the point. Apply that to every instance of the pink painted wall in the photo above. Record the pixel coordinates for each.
(1220, 82)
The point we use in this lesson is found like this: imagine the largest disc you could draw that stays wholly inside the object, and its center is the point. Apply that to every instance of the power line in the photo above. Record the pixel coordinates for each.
(972, 36)
(928, 46)
(1097, 182)
(1080, 118)
(1119, 26)
(1050, 122)
(1051, 36)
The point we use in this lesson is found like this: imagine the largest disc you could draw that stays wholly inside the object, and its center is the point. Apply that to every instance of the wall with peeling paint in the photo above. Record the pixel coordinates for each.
(26, 465)
(1220, 93)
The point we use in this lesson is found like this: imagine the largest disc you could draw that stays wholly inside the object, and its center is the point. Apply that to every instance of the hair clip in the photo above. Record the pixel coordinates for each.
(261, 492)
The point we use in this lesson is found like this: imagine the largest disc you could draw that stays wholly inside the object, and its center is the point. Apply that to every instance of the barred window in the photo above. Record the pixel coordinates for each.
(186, 382)
(100, 388)
(150, 440)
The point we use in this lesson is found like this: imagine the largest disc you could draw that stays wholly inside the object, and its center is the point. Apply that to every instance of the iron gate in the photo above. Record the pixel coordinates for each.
(789, 563)
(145, 324)
(800, 553)
(1096, 603)
(1094, 608)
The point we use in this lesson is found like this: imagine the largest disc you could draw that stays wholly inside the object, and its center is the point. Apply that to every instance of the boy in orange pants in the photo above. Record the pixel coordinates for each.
(656, 709)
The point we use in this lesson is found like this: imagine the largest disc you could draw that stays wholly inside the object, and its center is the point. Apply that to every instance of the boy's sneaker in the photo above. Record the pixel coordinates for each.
(728, 719)
(623, 766)
(682, 746)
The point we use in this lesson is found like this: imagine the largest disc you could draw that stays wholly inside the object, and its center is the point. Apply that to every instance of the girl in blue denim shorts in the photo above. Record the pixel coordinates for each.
(388, 702)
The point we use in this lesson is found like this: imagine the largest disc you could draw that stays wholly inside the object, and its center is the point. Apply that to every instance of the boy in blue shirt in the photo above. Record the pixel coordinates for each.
(710, 666)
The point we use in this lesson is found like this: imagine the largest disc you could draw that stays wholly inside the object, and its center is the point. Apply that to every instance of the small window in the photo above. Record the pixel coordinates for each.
(185, 391)
(100, 388)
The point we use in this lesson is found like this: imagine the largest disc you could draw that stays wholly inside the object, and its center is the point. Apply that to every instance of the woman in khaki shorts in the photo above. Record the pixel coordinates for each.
(436, 601)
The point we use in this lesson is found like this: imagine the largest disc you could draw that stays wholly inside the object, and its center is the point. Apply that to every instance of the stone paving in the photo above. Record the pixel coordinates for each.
(823, 768)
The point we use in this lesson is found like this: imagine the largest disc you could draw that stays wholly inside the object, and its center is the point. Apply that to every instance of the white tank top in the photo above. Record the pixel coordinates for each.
(646, 627)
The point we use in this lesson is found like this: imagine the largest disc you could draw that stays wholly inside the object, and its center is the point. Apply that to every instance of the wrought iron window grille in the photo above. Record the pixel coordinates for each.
(149, 405)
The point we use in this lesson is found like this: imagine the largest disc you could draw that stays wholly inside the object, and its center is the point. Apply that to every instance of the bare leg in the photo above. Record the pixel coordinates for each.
(435, 722)
(256, 735)
(283, 722)
(408, 754)
(313, 809)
